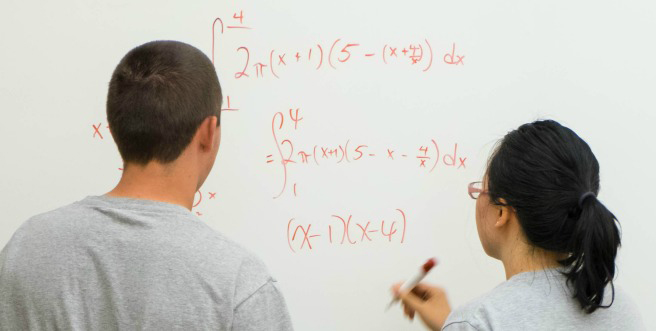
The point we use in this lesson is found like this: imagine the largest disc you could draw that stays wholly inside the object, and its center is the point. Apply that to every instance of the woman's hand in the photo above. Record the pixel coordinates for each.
(429, 302)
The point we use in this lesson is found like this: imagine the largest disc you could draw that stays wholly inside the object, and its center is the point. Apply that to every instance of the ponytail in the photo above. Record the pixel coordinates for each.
(593, 246)
(540, 170)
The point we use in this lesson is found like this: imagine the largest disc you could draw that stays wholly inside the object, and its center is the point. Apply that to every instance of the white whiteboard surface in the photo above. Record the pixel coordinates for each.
(588, 64)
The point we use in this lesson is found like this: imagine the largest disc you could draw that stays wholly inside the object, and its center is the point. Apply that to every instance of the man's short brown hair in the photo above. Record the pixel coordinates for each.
(158, 96)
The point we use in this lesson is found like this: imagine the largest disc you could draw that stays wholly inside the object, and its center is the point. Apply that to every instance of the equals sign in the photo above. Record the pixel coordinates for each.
(269, 158)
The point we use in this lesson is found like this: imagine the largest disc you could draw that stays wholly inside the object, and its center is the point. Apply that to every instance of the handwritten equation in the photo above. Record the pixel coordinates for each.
(345, 230)
(330, 54)
(428, 156)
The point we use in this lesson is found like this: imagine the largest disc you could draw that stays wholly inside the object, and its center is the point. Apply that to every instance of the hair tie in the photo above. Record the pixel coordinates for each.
(585, 196)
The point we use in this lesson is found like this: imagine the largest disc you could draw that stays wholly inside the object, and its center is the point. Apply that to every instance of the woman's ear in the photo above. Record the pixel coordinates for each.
(504, 215)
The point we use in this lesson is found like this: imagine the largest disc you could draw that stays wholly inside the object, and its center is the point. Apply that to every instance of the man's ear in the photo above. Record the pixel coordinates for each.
(207, 132)
(504, 215)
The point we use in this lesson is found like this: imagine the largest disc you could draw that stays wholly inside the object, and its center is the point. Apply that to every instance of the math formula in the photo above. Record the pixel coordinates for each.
(428, 156)
(288, 149)
(417, 53)
(344, 229)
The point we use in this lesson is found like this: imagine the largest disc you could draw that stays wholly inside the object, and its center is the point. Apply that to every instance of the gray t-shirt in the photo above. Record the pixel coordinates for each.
(541, 300)
(107, 263)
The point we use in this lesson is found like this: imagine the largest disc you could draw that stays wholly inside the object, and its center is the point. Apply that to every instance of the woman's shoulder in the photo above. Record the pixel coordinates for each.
(624, 308)
(476, 314)
(540, 300)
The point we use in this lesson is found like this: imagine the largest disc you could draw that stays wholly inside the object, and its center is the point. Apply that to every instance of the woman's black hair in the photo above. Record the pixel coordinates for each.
(550, 177)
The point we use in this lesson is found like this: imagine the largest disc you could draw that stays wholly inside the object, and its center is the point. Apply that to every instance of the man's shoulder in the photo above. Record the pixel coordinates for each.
(43, 222)
(251, 273)
(222, 248)
(176, 233)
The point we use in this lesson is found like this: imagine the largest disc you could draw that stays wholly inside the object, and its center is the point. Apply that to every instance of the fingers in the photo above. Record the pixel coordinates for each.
(411, 300)
(426, 291)
(429, 302)
(419, 300)
(396, 289)
(409, 312)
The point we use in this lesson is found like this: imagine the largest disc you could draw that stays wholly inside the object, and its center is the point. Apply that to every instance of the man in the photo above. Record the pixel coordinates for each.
(136, 258)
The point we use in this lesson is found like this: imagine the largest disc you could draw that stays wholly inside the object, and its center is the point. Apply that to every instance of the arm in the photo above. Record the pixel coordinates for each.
(429, 302)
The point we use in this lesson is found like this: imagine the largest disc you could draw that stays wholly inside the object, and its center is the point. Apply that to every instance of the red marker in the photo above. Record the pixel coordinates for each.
(412, 282)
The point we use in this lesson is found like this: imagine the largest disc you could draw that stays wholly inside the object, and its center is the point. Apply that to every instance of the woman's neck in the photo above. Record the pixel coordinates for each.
(522, 257)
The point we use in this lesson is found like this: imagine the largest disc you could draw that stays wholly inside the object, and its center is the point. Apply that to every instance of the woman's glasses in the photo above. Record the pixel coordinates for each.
(475, 189)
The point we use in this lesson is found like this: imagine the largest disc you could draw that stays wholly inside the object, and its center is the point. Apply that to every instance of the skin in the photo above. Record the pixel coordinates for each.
(178, 181)
(502, 238)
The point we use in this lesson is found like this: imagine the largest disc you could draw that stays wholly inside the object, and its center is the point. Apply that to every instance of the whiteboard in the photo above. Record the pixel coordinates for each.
(408, 80)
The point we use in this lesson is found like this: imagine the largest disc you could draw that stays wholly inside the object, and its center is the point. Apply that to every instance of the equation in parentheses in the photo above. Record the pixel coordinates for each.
(345, 230)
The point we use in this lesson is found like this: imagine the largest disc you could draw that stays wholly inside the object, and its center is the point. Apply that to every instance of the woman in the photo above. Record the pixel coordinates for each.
(537, 211)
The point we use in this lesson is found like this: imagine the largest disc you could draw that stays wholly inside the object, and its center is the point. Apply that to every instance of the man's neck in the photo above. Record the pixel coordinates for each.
(154, 181)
